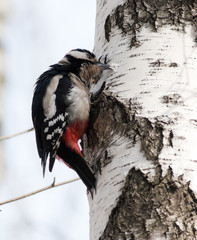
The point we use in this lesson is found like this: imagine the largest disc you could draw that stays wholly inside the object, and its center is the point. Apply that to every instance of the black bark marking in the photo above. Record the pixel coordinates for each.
(151, 138)
(171, 136)
(107, 27)
(173, 99)
(133, 14)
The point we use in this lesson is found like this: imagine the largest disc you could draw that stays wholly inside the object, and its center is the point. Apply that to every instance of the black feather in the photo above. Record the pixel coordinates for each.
(45, 147)
(79, 164)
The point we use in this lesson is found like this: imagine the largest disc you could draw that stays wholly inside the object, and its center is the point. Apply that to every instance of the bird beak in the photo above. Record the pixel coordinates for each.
(103, 66)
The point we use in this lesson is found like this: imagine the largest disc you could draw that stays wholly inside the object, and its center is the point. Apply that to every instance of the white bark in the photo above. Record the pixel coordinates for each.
(159, 79)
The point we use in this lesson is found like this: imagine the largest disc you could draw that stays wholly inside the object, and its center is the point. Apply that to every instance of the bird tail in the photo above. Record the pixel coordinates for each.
(78, 163)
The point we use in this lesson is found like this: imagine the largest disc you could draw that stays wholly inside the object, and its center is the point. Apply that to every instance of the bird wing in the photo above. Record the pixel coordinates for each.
(49, 114)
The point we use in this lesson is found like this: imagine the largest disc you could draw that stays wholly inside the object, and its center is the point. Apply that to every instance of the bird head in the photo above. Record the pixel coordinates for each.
(84, 64)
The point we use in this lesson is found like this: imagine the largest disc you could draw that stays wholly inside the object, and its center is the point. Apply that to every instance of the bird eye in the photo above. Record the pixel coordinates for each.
(89, 56)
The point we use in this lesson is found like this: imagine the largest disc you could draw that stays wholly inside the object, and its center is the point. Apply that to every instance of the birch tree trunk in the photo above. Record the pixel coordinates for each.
(143, 130)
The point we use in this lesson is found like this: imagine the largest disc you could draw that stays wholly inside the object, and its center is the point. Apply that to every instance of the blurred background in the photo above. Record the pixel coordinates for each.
(33, 35)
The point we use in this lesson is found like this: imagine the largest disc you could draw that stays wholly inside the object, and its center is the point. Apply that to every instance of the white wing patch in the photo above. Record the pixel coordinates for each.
(60, 117)
(49, 97)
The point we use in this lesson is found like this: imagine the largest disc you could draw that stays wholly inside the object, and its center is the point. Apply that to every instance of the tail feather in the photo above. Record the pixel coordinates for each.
(78, 163)
(43, 162)
(84, 172)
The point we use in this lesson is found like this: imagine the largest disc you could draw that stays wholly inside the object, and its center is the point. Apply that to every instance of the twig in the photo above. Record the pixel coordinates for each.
(53, 185)
(16, 134)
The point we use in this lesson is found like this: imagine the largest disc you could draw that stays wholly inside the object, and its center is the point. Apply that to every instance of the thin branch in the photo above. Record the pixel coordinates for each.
(16, 134)
(53, 185)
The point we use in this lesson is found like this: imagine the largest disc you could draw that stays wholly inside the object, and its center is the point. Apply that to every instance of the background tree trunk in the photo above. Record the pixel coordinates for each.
(142, 137)
(3, 14)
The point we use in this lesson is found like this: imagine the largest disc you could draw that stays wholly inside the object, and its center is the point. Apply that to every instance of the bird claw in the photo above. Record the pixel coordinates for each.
(105, 59)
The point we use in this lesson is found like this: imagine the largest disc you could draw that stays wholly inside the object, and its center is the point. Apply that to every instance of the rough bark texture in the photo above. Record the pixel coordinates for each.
(149, 209)
(133, 14)
(121, 120)
(164, 207)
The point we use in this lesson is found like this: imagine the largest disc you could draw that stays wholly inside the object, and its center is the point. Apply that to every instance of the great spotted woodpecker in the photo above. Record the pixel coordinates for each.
(60, 110)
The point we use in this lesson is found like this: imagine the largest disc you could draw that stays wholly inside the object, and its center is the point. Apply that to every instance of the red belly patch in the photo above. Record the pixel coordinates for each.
(72, 134)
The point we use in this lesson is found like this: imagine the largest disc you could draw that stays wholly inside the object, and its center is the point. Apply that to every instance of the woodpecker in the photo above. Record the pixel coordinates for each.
(60, 111)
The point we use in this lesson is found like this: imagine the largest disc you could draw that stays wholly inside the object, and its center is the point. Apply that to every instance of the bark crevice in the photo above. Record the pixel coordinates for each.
(109, 117)
(163, 207)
